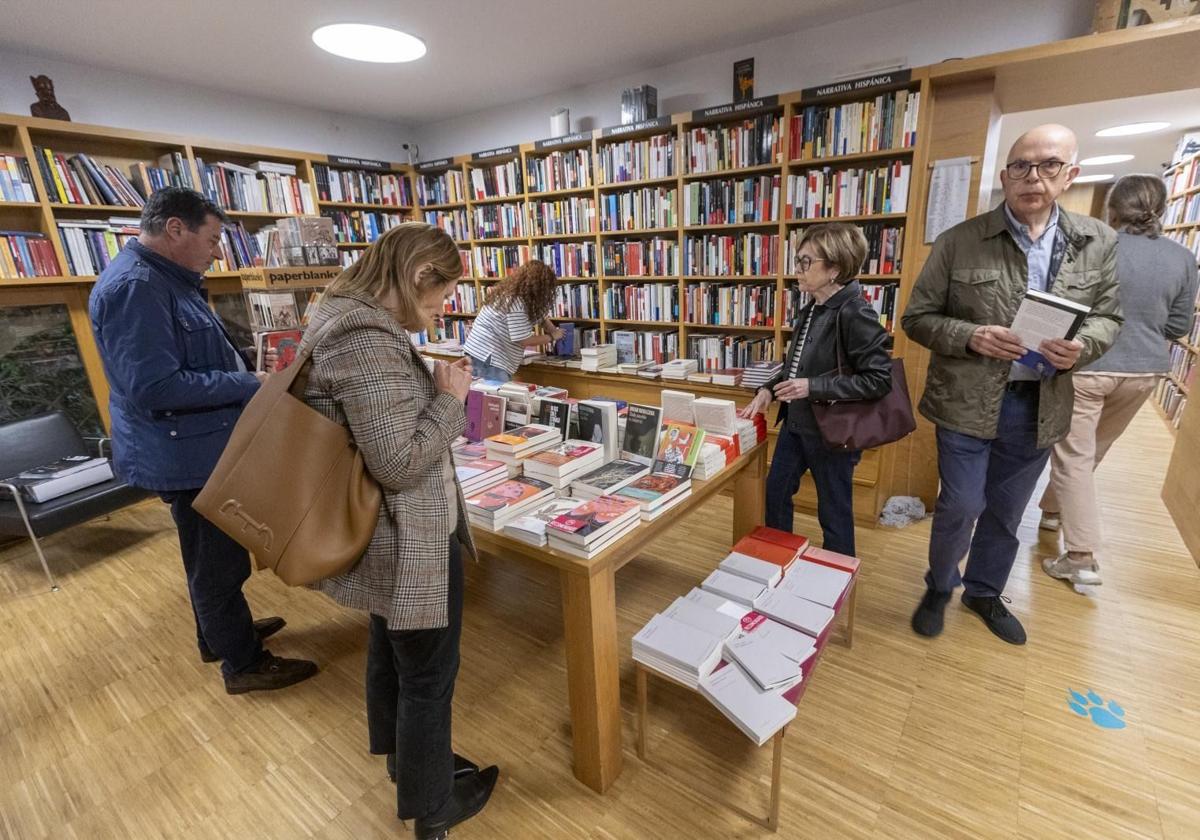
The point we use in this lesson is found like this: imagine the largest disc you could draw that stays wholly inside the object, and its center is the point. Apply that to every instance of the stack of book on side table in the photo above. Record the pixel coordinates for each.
(592, 526)
(495, 507)
(531, 527)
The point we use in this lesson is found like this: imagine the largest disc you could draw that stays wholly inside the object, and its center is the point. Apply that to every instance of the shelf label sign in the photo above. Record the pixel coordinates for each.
(634, 128)
(736, 109)
(866, 84)
(360, 163)
(565, 140)
(503, 151)
(430, 165)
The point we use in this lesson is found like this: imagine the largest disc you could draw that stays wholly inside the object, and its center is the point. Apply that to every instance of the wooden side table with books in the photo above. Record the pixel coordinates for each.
(590, 610)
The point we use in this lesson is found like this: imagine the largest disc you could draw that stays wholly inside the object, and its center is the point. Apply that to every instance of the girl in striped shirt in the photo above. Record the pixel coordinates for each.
(504, 327)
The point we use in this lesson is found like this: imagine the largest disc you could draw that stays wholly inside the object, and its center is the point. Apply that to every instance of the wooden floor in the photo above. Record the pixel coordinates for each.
(110, 727)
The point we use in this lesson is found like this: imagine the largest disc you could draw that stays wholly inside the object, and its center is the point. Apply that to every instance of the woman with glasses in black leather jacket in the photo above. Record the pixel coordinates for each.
(826, 263)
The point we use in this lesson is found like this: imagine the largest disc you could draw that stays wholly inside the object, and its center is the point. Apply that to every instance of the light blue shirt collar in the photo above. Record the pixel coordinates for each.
(1021, 233)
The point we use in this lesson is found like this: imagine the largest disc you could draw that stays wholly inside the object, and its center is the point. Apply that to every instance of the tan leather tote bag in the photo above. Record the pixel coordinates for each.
(291, 486)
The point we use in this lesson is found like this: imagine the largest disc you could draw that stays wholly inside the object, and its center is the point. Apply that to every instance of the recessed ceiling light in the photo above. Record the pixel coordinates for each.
(364, 42)
(1091, 179)
(1104, 160)
(1132, 128)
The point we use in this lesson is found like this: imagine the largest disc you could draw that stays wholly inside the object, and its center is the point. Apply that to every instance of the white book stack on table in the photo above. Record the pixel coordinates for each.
(710, 462)
(716, 415)
(677, 406)
(531, 527)
(560, 465)
(710, 620)
(678, 369)
(794, 611)
(820, 584)
(733, 587)
(751, 568)
(676, 649)
(773, 654)
(747, 434)
(757, 713)
(598, 357)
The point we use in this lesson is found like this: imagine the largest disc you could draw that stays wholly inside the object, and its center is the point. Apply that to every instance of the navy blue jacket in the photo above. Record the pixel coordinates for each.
(176, 386)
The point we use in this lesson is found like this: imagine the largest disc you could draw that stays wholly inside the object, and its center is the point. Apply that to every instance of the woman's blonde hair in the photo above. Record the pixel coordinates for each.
(1136, 204)
(841, 244)
(409, 260)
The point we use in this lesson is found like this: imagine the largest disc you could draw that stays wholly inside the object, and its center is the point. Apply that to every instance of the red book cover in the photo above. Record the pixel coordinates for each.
(831, 559)
(285, 343)
(770, 552)
(795, 542)
(592, 516)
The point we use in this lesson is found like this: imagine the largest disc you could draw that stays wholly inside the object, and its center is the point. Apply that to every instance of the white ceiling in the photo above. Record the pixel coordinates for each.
(481, 53)
(1151, 151)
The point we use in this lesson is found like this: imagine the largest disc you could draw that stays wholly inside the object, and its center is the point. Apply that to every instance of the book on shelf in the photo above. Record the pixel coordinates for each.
(531, 527)
(679, 369)
(496, 180)
(730, 304)
(1044, 317)
(754, 141)
(82, 179)
(359, 186)
(273, 310)
(598, 357)
(646, 208)
(746, 254)
(261, 187)
(620, 161)
(562, 169)
(655, 257)
(92, 244)
(16, 179)
(27, 254)
(722, 201)
(886, 121)
(728, 377)
(55, 480)
(446, 187)
(494, 507)
(285, 343)
(834, 192)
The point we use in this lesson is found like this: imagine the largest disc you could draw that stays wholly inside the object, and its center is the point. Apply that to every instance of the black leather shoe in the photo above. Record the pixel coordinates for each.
(931, 613)
(996, 616)
(462, 766)
(264, 627)
(270, 673)
(470, 794)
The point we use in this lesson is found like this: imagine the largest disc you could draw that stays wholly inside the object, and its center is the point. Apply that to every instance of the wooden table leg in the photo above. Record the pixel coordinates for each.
(641, 711)
(750, 496)
(593, 677)
(776, 780)
(851, 603)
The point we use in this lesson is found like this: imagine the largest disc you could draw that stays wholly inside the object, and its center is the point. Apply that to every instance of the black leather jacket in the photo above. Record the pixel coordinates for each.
(866, 348)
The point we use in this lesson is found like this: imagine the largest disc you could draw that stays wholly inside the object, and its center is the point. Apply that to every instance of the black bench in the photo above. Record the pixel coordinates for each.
(40, 440)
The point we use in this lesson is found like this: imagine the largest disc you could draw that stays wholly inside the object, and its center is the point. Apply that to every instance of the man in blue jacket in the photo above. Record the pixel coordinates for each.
(178, 386)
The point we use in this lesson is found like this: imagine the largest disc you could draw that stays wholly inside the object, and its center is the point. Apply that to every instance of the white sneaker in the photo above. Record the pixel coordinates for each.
(1050, 522)
(1083, 578)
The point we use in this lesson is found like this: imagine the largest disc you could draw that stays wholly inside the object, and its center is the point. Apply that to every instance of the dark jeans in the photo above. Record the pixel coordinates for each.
(833, 474)
(216, 568)
(410, 685)
(986, 485)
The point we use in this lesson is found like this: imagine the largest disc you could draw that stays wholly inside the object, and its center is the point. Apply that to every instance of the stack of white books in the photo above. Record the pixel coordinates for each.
(773, 654)
(66, 475)
(476, 476)
(796, 612)
(531, 527)
(560, 465)
(747, 434)
(677, 649)
(678, 369)
(518, 406)
(710, 462)
(597, 358)
(758, 374)
(751, 568)
(468, 452)
(512, 446)
(734, 587)
(817, 583)
(593, 526)
(677, 406)
(715, 416)
(495, 507)
(758, 713)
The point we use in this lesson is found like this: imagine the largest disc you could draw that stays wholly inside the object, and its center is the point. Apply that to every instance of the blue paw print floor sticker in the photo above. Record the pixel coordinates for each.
(1105, 715)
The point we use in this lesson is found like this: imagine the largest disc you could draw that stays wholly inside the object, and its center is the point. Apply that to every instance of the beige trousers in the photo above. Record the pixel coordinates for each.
(1104, 406)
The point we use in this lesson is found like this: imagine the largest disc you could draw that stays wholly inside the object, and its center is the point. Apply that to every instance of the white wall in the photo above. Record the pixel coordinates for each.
(919, 33)
(124, 100)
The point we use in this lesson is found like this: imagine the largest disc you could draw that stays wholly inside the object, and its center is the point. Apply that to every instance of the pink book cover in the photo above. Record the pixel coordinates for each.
(830, 558)
(493, 415)
(474, 430)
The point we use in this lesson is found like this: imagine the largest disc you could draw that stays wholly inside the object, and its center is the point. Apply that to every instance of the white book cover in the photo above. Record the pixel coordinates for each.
(759, 714)
(703, 618)
(751, 568)
(772, 653)
(677, 406)
(733, 587)
(679, 643)
(794, 611)
(716, 415)
(820, 584)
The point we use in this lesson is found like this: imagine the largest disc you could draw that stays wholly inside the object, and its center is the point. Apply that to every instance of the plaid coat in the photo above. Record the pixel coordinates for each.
(367, 375)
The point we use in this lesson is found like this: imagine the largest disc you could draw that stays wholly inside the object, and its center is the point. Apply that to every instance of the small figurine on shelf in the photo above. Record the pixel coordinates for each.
(46, 106)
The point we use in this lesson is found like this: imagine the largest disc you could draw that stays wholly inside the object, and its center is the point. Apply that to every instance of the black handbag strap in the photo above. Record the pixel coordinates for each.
(837, 341)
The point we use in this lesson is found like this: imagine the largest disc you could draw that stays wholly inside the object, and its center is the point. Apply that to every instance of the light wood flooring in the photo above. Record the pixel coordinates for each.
(110, 727)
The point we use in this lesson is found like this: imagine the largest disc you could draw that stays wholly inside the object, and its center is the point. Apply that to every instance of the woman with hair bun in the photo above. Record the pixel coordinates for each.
(1158, 290)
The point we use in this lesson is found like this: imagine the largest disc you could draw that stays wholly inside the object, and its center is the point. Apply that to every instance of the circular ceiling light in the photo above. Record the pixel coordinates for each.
(1132, 128)
(1092, 179)
(1104, 160)
(364, 42)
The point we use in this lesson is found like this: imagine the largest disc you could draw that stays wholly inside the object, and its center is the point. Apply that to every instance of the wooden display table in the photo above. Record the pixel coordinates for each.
(590, 610)
(845, 608)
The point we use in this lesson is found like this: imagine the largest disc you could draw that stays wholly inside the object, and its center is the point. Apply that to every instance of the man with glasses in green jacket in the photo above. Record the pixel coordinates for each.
(996, 418)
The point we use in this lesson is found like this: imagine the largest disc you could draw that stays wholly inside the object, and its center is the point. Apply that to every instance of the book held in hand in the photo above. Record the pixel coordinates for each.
(1044, 317)
(285, 343)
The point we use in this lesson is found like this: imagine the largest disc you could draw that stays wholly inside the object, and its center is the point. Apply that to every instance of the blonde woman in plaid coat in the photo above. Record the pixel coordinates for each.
(367, 376)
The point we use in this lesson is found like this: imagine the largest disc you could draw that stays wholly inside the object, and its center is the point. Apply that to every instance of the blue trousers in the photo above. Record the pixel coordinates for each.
(833, 474)
(986, 486)
(482, 369)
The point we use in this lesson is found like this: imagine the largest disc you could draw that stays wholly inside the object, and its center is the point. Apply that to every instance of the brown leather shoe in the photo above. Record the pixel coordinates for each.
(264, 627)
(270, 673)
